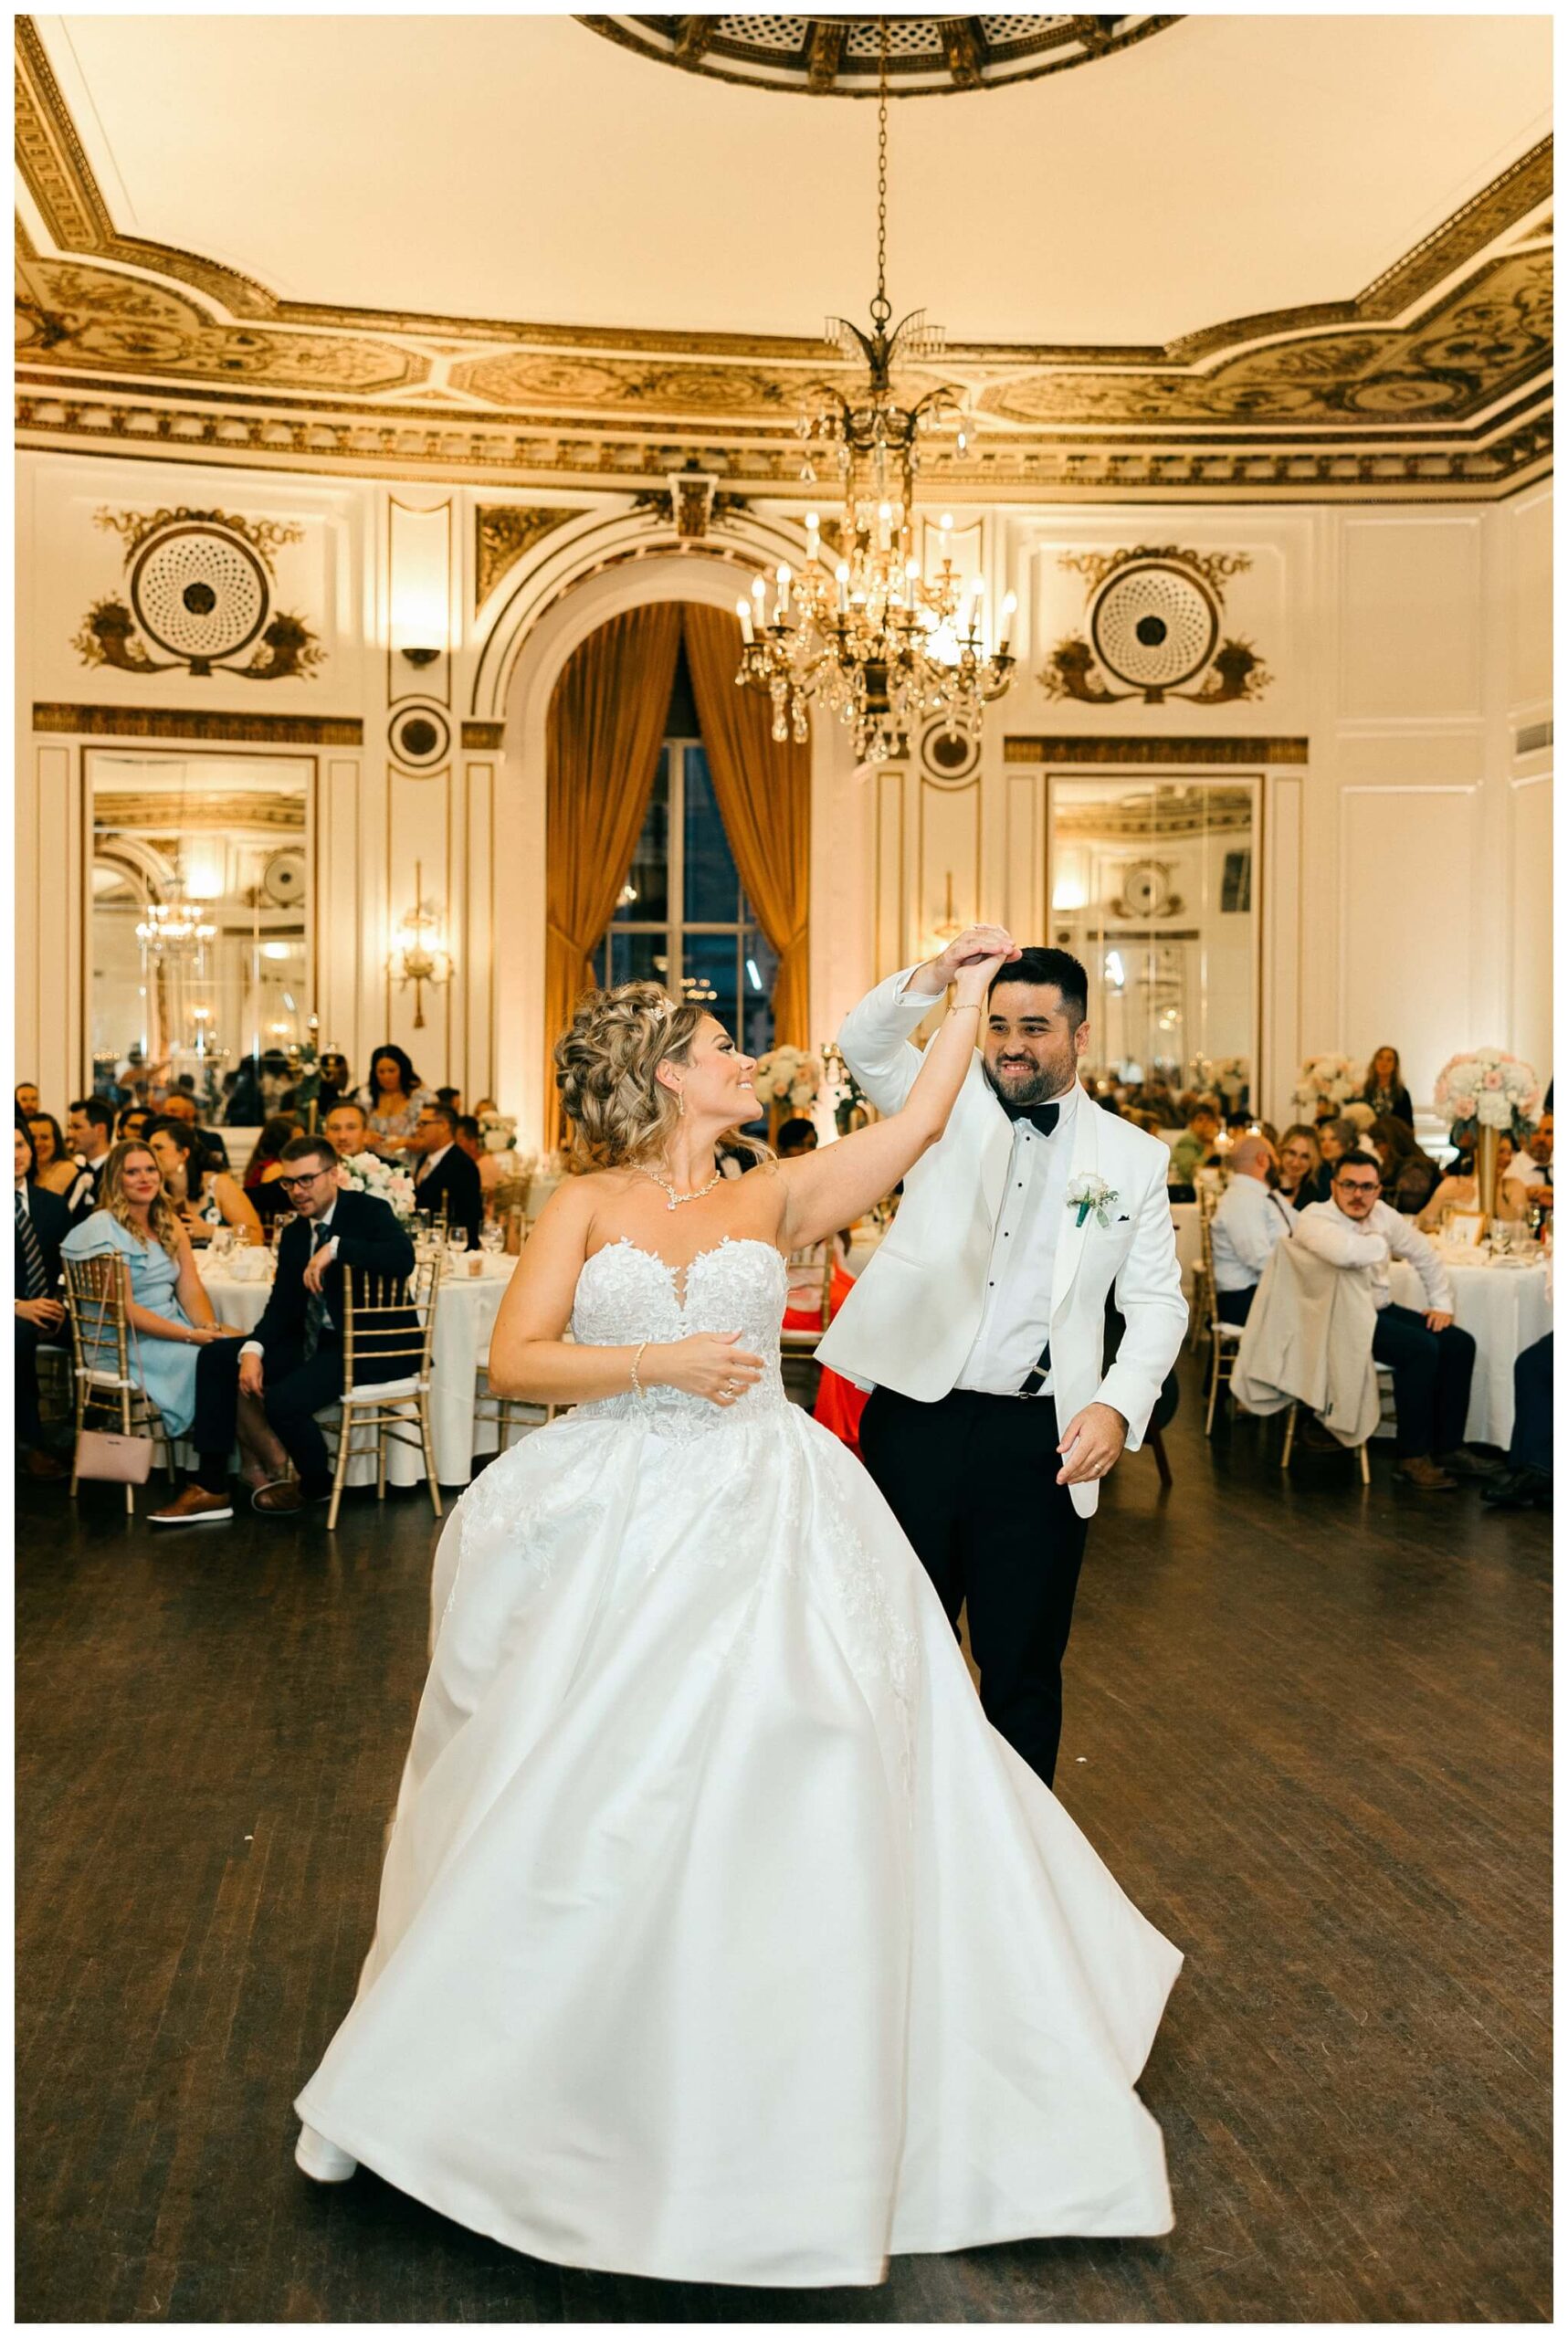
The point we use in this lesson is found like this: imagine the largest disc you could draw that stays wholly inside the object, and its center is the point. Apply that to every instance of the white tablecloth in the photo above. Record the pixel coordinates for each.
(465, 1311)
(1505, 1309)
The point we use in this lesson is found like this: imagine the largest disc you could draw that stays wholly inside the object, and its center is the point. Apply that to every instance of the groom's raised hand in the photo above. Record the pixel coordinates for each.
(974, 941)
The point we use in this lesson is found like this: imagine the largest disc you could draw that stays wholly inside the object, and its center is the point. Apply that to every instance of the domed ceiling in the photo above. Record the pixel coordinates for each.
(1221, 256)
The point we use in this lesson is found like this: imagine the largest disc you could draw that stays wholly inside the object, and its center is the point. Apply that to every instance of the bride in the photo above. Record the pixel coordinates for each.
(721, 1938)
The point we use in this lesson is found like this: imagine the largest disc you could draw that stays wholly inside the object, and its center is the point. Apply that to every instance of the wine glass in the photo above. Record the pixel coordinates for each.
(492, 1239)
(457, 1243)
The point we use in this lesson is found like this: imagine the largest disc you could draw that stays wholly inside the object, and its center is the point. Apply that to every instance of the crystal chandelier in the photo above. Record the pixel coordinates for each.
(173, 929)
(883, 647)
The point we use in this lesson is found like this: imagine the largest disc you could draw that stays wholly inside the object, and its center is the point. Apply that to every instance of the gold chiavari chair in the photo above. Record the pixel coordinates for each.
(1223, 1338)
(99, 1293)
(1203, 1274)
(394, 1323)
(810, 1286)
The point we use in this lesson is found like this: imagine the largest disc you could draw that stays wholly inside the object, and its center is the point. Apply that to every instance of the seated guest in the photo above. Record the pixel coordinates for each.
(1336, 1137)
(54, 1169)
(42, 1225)
(326, 1085)
(244, 1108)
(90, 1132)
(393, 1098)
(1462, 1191)
(25, 1095)
(1300, 1162)
(205, 1199)
(1532, 1165)
(1249, 1222)
(170, 1311)
(347, 1129)
(1526, 1482)
(471, 1137)
(264, 1170)
(293, 1360)
(445, 1174)
(1383, 1090)
(1409, 1174)
(1194, 1146)
(134, 1121)
(1431, 1359)
(179, 1104)
(453, 1096)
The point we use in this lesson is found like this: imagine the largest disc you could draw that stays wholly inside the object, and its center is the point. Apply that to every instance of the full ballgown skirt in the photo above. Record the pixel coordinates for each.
(721, 1938)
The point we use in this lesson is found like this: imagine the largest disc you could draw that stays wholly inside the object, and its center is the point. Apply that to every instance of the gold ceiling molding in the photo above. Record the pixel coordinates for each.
(1375, 397)
(503, 532)
(484, 738)
(1144, 751)
(164, 812)
(186, 722)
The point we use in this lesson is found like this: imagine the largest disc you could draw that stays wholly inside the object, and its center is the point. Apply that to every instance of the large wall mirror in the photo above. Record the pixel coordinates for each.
(1153, 885)
(202, 969)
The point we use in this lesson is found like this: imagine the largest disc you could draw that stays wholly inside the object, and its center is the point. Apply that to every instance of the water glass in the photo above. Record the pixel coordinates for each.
(492, 1239)
(457, 1243)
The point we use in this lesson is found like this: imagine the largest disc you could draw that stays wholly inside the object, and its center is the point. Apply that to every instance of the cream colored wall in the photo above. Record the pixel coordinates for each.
(1404, 876)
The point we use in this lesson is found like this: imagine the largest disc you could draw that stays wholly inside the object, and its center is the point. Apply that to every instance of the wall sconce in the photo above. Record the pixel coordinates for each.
(420, 656)
(419, 960)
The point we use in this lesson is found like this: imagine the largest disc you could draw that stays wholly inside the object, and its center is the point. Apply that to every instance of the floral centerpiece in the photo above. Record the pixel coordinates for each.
(498, 1131)
(1326, 1080)
(367, 1173)
(1227, 1076)
(1491, 1088)
(787, 1076)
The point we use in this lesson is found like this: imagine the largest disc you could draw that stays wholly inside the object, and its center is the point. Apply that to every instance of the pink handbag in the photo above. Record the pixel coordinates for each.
(110, 1455)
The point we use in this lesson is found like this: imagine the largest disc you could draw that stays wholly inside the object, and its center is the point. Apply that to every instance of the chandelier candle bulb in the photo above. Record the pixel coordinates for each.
(744, 611)
(813, 528)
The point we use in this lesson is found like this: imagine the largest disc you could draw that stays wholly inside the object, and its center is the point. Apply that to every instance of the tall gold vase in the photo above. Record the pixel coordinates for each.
(1486, 1172)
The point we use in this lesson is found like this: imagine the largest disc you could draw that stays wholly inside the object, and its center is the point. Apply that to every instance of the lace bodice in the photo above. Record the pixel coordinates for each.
(625, 1295)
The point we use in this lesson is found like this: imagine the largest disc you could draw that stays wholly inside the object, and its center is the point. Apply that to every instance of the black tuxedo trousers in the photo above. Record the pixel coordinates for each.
(295, 1389)
(971, 1479)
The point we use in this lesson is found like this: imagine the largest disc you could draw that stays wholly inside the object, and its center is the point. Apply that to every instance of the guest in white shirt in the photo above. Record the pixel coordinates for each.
(1431, 1359)
(347, 1130)
(1532, 1165)
(1250, 1219)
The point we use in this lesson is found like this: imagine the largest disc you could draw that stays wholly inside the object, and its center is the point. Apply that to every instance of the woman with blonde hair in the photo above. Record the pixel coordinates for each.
(1301, 1159)
(721, 1937)
(170, 1313)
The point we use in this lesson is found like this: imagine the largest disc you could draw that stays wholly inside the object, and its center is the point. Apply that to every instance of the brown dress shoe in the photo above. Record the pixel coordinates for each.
(1424, 1475)
(194, 1507)
(35, 1463)
(279, 1499)
(1465, 1462)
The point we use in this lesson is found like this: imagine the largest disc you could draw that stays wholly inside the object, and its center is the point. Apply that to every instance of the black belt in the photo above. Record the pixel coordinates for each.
(1035, 1379)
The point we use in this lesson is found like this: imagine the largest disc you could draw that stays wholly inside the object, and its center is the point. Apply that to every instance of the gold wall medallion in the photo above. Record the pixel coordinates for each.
(1154, 615)
(199, 585)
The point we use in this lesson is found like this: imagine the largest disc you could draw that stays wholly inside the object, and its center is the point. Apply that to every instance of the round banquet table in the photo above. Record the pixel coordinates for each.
(465, 1311)
(1506, 1310)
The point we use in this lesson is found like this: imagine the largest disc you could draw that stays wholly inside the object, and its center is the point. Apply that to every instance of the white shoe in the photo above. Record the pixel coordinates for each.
(322, 2161)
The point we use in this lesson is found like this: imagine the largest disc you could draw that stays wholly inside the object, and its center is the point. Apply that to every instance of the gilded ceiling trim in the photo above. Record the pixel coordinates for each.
(1142, 751)
(188, 723)
(484, 738)
(504, 533)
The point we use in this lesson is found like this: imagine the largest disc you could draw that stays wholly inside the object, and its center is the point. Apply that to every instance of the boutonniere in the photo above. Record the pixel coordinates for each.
(1086, 1193)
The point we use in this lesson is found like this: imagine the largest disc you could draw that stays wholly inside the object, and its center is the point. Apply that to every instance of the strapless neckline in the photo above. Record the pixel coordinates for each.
(680, 1276)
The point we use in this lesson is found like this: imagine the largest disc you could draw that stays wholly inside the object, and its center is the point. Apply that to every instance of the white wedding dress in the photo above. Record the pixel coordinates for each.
(721, 1938)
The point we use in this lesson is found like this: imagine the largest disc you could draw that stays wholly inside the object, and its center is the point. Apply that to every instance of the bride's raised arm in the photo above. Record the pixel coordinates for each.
(831, 1188)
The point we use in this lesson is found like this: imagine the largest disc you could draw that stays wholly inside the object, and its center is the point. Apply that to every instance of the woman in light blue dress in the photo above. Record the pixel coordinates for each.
(170, 1314)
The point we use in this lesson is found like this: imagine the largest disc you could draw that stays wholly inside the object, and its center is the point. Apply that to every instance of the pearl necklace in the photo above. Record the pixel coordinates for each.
(665, 1185)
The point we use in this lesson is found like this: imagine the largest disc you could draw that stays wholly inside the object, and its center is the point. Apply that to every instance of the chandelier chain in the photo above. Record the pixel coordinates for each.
(881, 309)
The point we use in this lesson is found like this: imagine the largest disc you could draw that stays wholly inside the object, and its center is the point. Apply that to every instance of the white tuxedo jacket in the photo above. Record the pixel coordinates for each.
(912, 1317)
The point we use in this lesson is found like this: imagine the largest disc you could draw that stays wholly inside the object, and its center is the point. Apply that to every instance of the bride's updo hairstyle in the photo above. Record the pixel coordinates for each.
(607, 1068)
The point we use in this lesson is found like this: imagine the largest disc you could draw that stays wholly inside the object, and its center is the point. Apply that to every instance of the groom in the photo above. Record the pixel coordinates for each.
(981, 1320)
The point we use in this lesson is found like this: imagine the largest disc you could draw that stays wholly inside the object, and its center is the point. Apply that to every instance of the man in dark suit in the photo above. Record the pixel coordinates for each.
(447, 1173)
(294, 1361)
(90, 1132)
(43, 1222)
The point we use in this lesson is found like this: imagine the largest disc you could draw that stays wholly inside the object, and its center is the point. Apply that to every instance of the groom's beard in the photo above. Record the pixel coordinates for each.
(1040, 1084)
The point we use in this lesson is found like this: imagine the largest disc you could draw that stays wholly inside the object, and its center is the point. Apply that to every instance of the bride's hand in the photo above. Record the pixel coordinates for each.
(708, 1365)
(975, 979)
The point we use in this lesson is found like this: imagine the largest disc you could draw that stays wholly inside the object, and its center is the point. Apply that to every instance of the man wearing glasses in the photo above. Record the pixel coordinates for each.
(293, 1361)
(1431, 1359)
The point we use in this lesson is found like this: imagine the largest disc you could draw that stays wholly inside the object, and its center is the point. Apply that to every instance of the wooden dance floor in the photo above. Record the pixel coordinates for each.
(1309, 1730)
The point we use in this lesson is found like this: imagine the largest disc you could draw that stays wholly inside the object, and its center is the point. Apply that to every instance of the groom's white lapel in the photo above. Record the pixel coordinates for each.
(1086, 1120)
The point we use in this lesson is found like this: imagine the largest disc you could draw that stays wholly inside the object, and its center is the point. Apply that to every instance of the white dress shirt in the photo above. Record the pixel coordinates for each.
(328, 1250)
(1524, 1171)
(1016, 1322)
(1384, 1234)
(1249, 1222)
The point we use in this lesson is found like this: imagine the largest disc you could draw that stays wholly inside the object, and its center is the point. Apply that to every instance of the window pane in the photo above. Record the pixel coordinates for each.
(759, 971)
(709, 975)
(650, 879)
(712, 886)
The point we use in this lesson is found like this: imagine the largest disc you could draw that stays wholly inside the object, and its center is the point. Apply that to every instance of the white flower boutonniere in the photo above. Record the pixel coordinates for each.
(1086, 1193)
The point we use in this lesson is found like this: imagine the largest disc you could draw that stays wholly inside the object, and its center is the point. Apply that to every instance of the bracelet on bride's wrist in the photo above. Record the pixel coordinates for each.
(637, 1389)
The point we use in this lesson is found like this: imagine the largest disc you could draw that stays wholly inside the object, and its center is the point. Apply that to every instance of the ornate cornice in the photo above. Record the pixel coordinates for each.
(1433, 381)
(185, 722)
(1128, 752)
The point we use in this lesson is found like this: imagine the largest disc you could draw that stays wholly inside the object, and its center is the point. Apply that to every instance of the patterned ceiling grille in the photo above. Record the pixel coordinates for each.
(786, 33)
(839, 55)
(1000, 30)
(907, 36)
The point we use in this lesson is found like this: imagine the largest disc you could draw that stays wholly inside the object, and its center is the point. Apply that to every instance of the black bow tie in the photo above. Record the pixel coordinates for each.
(1043, 1116)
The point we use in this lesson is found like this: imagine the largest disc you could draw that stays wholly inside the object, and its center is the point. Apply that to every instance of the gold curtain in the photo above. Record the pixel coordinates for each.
(763, 791)
(603, 736)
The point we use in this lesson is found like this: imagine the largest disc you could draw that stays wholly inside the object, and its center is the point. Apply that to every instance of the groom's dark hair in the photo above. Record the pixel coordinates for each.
(1059, 968)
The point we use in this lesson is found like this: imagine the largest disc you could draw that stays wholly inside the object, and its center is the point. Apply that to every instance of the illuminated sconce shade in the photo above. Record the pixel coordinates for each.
(420, 959)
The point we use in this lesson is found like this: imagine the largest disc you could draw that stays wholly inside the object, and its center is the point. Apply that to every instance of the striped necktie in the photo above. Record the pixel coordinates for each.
(315, 1305)
(37, 1280)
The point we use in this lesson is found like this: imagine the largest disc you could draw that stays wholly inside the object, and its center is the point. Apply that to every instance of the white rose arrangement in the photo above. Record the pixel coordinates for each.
(498, 1131)
(787, 1076)
(1326, 1080)
(367, 1173)
(1493, 1088)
